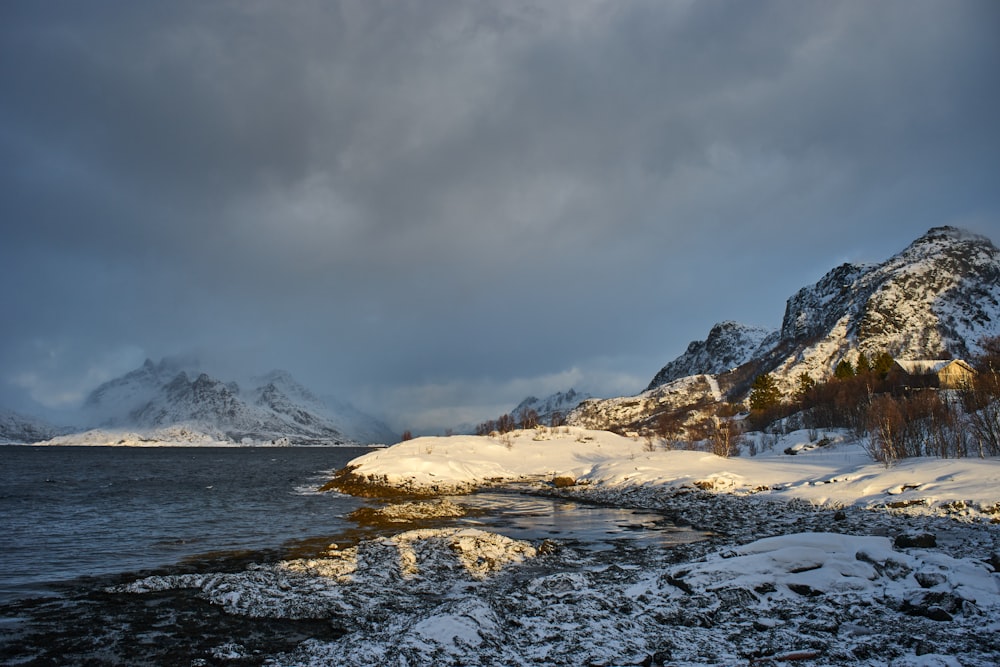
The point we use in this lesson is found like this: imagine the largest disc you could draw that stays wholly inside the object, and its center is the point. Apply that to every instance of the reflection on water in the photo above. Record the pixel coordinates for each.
(595, 527)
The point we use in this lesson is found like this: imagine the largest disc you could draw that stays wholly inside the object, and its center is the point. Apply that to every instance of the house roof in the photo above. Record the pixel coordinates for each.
(929, 366)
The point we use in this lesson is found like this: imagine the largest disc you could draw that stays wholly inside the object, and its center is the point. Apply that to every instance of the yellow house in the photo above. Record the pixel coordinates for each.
(941, 373)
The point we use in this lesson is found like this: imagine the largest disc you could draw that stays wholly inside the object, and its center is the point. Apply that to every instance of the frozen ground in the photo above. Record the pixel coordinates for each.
(815, 558)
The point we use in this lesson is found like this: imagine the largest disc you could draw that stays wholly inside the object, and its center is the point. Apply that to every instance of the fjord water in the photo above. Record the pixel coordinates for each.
(70, 512)
(73, 512)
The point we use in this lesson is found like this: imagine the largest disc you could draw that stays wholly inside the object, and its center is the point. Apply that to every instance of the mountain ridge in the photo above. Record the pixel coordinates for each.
(556, 405)
(274, 407)
(934, 299)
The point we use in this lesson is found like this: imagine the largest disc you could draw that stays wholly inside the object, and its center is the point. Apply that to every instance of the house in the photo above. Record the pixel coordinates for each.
(939, 373)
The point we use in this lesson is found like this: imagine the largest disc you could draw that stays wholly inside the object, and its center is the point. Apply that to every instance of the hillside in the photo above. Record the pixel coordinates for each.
(17, 428)
(936, 299)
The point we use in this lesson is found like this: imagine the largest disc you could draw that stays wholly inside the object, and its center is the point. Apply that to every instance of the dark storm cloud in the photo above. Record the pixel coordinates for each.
(435, 198)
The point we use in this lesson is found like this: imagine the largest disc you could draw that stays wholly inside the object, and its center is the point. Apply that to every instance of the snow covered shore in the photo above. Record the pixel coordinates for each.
(830, 471)
(816, 558)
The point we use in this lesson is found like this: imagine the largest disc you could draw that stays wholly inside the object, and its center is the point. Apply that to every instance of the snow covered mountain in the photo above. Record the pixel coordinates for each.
(935, 299)
(729, 344)
(275, 407)
(18, 428)
(561, 403)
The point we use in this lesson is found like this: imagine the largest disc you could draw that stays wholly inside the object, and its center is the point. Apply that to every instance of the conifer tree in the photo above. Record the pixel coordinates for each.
(882, 364)
(806, 384)
(844, 370)
(863, 366)
(764, 393)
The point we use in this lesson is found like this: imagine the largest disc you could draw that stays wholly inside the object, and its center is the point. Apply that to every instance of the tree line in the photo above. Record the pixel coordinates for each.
(895, 416)
(527, 418)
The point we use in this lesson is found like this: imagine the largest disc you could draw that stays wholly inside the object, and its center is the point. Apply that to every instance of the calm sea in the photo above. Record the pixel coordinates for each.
(70, 512)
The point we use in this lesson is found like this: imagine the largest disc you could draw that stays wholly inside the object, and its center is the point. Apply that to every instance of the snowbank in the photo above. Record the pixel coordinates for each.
(461, 463)
(837, 473)
(832, 564)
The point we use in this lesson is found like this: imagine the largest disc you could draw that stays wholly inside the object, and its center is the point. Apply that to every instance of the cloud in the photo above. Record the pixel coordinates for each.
(47, 383)
(428, 408)
(395, 194)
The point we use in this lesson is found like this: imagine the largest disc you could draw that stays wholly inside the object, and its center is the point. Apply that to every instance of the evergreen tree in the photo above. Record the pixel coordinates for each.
(863, 366)
(764, 393)
(844, 370)
(806, 385)
(883, 364)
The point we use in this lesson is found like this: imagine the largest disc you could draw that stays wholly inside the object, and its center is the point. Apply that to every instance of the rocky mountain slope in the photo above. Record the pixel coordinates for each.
(729, 344)
(15, 427)
(557, 404)
(935, 299)
(274, 407)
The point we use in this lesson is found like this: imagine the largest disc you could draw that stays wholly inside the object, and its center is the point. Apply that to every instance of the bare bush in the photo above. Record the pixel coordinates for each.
(725, 439)
(885, 430)
(981, 402)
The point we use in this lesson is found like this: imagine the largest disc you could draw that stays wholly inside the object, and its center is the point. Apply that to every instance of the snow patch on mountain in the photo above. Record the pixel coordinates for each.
(113, 401)
(637, 413)
(171, 436)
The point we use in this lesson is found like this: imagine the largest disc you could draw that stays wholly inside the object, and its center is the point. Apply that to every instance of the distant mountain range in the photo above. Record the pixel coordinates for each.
(936, 299)
(165, 398)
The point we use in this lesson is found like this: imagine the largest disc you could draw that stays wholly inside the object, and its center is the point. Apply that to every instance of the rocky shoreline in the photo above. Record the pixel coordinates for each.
(889, 587)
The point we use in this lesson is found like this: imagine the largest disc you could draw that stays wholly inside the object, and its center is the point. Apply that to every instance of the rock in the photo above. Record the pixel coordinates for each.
(921, 541)
(677, 582)
(994, 561)
(805, 590)
(929, 579)
(935, 605)
(563, 481)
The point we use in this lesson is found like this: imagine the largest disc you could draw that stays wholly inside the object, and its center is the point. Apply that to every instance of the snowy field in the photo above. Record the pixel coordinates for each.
(817, 557)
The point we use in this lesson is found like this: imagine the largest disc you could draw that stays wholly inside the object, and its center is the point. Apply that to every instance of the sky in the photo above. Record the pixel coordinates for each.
(433, 209)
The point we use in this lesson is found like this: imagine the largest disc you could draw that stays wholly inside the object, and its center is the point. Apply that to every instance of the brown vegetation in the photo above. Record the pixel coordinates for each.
(347, 481)
(901, 416)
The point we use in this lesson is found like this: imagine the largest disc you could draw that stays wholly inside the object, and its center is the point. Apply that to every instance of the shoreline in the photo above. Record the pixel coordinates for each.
(779, 578)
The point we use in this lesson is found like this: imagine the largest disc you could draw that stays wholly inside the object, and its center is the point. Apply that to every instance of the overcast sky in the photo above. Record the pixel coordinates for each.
(433, 209)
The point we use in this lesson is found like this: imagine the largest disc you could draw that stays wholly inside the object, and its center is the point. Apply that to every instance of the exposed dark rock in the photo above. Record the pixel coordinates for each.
(921, 541)
(930, 579)
(805, 590)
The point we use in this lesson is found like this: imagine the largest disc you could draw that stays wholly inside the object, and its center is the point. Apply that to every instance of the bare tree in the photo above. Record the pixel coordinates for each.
(529, 418)
(725, 438)
(885, 430)
(506, 423)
